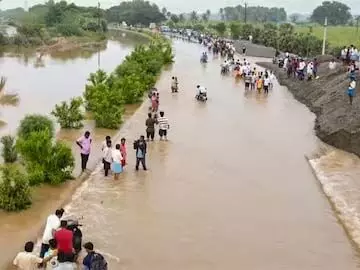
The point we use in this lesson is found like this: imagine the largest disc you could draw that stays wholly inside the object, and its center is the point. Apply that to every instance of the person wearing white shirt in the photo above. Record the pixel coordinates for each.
(52, 224)
(332, 64)
(104, 143)
(266, 83)
(272, 79)
(116, 159)
(351, 90)
(107, 157)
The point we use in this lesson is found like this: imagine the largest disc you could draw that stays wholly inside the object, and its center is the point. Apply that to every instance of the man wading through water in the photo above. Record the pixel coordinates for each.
(84, 143)
(140, 147)
(150, 127)
(163, 126)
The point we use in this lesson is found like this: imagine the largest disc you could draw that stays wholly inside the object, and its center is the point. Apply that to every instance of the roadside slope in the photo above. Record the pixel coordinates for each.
(337, 123)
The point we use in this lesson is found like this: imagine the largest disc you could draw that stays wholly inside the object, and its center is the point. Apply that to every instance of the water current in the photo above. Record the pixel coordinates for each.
(231, 189)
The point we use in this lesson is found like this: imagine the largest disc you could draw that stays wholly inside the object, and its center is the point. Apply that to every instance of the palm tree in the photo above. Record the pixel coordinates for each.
(7, 99)
(194, 16)
(208, 13)
(181, 17)
(204, 17)
(221, 11)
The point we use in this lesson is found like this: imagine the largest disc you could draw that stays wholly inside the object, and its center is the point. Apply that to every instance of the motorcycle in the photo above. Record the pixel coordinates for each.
(224, 70)
(73, 225)
(201, 97)
(203, 59)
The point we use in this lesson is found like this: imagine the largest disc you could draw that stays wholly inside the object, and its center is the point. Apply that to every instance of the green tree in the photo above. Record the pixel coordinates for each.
(294, 17)
(194, 16)
(337, 13)
(204, 17)
(135, 12)
(222, 15)
(174, 18)
(235, 29)
(15, 192)
(53, 159)
(181, 17)
(69, 115)
(35, 123)
(9, 153)
(220, 28)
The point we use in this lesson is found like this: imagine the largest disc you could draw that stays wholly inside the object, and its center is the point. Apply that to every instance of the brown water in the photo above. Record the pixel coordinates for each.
(230, 190)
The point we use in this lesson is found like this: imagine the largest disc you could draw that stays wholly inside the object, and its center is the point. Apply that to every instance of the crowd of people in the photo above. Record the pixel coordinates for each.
(60, 248)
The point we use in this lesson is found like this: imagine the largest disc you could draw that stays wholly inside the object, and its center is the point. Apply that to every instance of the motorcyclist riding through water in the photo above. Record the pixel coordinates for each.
(224, 67)
(204, 57)
(201, 94)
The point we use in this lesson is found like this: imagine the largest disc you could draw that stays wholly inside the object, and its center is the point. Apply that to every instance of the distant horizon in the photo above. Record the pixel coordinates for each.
(177, 6)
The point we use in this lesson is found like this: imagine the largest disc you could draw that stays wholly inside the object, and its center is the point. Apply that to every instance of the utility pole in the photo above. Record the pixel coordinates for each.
(26, 6)
(245, 11)
(99, 28)
(324, 38)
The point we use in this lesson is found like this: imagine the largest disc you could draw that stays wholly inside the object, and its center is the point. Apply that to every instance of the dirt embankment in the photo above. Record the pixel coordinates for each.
(66, 44)
(337, 122)
(255, 50)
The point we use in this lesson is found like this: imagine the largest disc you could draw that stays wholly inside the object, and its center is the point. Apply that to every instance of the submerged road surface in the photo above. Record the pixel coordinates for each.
(230, 190)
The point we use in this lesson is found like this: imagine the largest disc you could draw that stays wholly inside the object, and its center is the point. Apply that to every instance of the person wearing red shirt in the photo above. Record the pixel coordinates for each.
(64, 239)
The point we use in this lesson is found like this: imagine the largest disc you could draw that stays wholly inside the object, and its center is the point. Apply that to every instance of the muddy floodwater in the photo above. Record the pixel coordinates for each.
(231, 189)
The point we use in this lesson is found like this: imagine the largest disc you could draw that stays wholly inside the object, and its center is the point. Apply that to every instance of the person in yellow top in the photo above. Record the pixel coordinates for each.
(259, 84)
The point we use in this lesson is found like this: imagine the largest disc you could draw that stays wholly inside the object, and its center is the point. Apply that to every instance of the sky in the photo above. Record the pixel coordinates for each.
(180, 6)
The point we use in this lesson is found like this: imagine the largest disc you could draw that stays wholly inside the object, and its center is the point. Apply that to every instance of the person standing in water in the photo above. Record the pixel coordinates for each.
(107, 157)
(266, 83)
(150, 127)
(117, 162)
(163, 126)
(123, 151)
(104, 143)
(351, 90)
(84, 142)
(140, 147)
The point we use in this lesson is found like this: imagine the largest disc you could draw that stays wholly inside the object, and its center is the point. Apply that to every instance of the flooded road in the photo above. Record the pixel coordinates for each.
(230, 190)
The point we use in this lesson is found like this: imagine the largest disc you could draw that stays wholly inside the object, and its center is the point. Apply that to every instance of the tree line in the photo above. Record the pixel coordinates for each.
(45, 21)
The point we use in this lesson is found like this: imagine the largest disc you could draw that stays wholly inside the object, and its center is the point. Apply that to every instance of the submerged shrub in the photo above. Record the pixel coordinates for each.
(69, 115)
(15, 192)
(105, 94)
(53, 163)
(35, 122)
(9, 152)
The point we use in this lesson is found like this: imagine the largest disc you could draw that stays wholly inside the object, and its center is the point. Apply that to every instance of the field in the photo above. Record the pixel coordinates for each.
(336, 35)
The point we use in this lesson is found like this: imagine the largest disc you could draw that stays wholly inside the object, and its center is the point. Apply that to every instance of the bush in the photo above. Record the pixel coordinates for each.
(33, 123)
(52, 161)
(68, 30)
(15, 192)
(9, 152)
(69, 115)
(106, 94)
